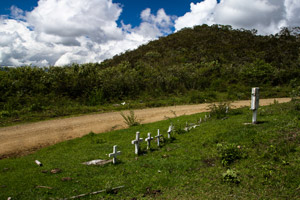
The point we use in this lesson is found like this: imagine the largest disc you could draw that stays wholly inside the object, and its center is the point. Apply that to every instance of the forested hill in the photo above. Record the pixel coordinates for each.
(198, 64)
(219, 43)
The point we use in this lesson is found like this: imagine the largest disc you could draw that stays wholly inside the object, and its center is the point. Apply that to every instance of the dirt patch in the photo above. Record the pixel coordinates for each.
(24, 139)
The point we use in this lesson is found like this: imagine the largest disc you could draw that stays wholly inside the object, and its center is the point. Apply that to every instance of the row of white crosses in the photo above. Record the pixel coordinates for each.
(138, 140)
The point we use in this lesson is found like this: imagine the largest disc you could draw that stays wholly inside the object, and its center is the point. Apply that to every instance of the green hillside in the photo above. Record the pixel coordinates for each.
(194, 65)
(220, 159)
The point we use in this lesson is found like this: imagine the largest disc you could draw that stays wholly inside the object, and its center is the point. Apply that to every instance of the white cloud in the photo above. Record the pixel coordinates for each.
(67, 31)
(153, 26)
(73, 18)
(292, 12)
(267, 16)
(201, 13)
(17, 13)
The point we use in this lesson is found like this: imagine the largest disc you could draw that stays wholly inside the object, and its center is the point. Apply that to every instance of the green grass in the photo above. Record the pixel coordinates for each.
(266, 164)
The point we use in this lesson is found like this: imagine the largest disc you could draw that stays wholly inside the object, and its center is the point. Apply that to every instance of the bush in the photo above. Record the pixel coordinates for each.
(131, 119)
(219, 110)
(229, 153)
(231, 176)
(196, 97)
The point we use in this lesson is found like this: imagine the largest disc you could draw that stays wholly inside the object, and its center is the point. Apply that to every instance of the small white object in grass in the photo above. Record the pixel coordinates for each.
(200, 121)
(123, 103)
(195, 126)
(9, 198)
(97, 162)
(114, 154)
(148, 140)
(137, 142)
(227, 109)
(158, 137)
(38, 163)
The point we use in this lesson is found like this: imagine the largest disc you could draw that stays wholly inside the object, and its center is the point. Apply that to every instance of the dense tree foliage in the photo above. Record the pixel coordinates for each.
(203, 58)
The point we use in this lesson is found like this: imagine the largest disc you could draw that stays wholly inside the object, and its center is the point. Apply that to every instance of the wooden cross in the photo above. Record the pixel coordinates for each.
(148, 140)
(136, 142)
(158, 137)
(114, 154)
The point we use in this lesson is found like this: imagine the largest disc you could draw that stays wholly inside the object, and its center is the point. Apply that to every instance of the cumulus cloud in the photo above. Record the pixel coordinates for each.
(67, 31)
(153, 26)
(201, 13)
(267, 16)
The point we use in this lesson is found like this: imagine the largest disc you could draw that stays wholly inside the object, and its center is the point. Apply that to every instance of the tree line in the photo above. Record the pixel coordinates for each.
(202, 58)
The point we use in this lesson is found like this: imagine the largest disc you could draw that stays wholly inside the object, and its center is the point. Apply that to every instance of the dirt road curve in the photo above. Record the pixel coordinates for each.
(24, 139)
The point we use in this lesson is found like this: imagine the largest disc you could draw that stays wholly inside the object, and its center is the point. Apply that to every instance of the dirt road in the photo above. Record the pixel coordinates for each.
(24, 139)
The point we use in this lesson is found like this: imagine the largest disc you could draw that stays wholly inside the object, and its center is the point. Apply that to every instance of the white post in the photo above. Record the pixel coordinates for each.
(254, 117)
(170, 130)
(158, 137)
(136, 142)
(148, 140)
(254, 103)
(114, 154)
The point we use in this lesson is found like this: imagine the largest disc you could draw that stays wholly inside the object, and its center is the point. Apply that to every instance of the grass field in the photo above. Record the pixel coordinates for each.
(221, 159)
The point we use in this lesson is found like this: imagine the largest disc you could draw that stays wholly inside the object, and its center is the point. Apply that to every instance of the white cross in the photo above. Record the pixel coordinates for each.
(226, 109)
(136, 142)
(170, 130)
(148, 140)
(114, 154)
(158, 137)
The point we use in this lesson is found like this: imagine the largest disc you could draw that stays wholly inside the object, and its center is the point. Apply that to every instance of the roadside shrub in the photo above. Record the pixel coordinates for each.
(5, 113)
(231, 176)
(219, 110)
(96, 98)
(229, 153)
(196, 97)
(131, 119)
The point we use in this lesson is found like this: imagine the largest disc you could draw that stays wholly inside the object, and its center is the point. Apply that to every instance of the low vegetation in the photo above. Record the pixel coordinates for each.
(130, 119)
(221, 159)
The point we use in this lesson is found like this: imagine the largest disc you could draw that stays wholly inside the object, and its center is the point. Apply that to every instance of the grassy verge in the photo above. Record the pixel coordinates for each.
(221, 159)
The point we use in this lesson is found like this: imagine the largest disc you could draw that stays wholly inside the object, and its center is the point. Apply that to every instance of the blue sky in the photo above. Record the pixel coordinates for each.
(61, 32)
(132, 8)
